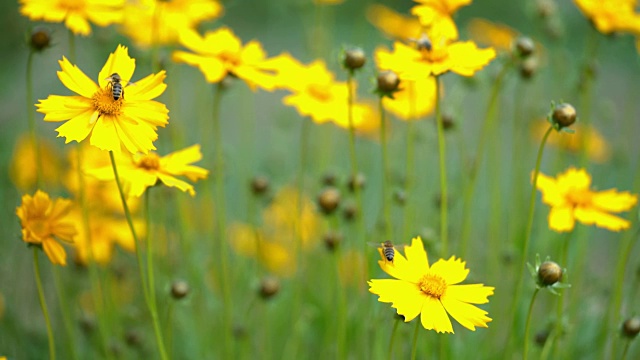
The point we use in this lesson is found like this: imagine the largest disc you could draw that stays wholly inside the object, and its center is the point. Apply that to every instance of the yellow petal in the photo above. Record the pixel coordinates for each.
(550, 192)
(148, 88)
(177, 163)
(400, 268)
(77, 24)
(404, 296)
(602, 219)
(136, 136)
(465, 58)
(104, 135)
(574, 179)
(467, 315)
(74, 79)
(138, 180)
(417, 258)
(561, 218)
(77, 128)
(61, 108)
(434, 317)
(472, 293)
(55, 252)
(118, 62)
(171, 181)
(613, 201)
(451, 270)
(213, 69)
(152, 113)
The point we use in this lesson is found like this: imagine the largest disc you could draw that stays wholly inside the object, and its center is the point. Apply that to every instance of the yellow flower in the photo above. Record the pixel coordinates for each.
(76, 14)
(571, 199)
(436, 15)
(598, 148)
(131, 120)
(431, 291)
(24, 167)
(416, 99)
(276, 256)
(393, 24)
(611, 15)
(43, 220)
(463, 58)
(220, 53)
(140, 171)
(498, 36)
(150, 22)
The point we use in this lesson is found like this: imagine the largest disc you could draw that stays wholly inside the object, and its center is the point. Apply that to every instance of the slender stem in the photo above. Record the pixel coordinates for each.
(43, 304)
(525, 248)
(32, 121)
(444, 250)
(626, 349)
(221, 216)
(64, 310)
(410, 160)
(560, 305)
(150, 272)
(147, 295)
(414, 344)
(394, 331)
(386, 209)
(527, 326)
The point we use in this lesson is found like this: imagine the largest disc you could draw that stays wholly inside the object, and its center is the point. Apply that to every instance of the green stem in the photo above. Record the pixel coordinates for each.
(626, 349)
(394, 331)
(410, 161)
(444, 250)
(564, 256)
(527, 325)
(386, 210)
(43, 304)
(64, 310)
(525, 248)
(32, 121)
(414, 342)
(149, 252)
(145, 286)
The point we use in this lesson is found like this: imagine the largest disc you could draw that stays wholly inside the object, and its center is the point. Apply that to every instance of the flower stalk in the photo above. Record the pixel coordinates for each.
(43, 305)
(444, 250)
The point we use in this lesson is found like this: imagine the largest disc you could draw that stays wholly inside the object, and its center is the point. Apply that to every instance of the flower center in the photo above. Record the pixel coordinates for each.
(38, 228)
(320, 92)
(104, 103)
(579, 197)
(433, 285)
(230, 57)
(435, 54)
(72, 4)
(151, 161)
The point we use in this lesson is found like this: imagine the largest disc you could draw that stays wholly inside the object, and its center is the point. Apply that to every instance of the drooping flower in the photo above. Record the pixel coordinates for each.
(131, 120)
(24, 165)
(76, 14)
(570, 198)
(610, 16)
(139, 171)
(437, 15)
(150, 22)
(220, 53)
(44, 222)
(395, 25)
(431, 291)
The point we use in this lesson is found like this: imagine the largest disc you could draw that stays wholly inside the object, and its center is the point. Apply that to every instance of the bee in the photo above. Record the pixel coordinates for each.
(422, 43)
(388, 250)
(117, 88)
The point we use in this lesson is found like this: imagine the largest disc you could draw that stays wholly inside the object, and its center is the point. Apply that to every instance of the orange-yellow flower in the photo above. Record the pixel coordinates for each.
(416, 99)
(43, 221)
(437, 15)
(610, 16)
(76, 14)
(570, 198)
(393, 24)
(431, 291)
(130, 121)
(220, 53)
(140, 171)
(24, 165)
(150, 22)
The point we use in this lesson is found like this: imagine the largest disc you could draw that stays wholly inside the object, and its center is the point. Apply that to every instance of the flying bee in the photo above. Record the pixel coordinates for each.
(422, 43)
(117, 88)
(388, 250)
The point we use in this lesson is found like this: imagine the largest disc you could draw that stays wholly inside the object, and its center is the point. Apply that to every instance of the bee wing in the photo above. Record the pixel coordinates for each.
(374, 244)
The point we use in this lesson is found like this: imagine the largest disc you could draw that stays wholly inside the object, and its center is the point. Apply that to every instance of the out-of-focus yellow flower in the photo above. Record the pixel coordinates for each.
(44, 220)
(416, 99)
(140, 171)
(570, 198)
(393, 24)
(24, 167)
(289, 211)
(76, 14)
(610, 16)
(150, 22)
(277, 257)
(598, 148)
(131, 120)
(463, 58)
(431, 291)
(437, 16)
(498, 36)
(220, 53)
(351, 269)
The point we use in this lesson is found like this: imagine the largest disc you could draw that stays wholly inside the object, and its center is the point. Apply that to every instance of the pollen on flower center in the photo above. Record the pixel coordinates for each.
(319, 91)
(434, 55)
(433, 285)
(579, 198)
(230, 57)
(151, 161)
(104, 103)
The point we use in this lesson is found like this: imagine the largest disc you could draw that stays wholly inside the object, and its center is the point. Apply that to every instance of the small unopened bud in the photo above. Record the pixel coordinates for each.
(133, 338)
(545, 8)
(354, 58)
(549, 273)
(350, 211)
(357, 182)
(525, 46)
(40, 39)
(528, 67)
(179, 289)
(388, 82)
(259, 185)
(541, 337)
(269, 286)
(329, 200)
(332, 240)
(400, 197)
(329, 179)
(564, 115)
(447, 122)
(631, 327)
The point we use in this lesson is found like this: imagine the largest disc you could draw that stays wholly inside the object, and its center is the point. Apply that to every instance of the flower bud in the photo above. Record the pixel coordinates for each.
(354, 59)
(40, 39)
(179, 289)
(357, 182)
(631, 327)
(269, 286)
(525, 46)
(329, 179)
(259, 185)
(133, 338)
(329, 200)
(350, 211)
(564, 115)
(546, 8)
(528, 67)
(332, 240)
(388, 82)
(400, 197)
(549, 273)
(447, 122)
